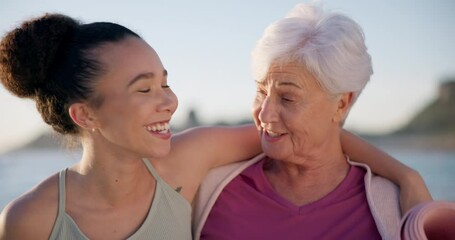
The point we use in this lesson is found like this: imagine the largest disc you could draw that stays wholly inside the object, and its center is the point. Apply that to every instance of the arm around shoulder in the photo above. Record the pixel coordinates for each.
(216, 146)
(196, 151)
(412, 186)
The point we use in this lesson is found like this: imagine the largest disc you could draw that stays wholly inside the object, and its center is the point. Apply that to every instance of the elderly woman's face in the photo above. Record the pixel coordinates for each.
(295, 115)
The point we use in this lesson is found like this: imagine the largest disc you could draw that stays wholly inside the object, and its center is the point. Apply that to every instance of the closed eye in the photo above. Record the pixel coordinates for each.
(144, 90)
(287, 99)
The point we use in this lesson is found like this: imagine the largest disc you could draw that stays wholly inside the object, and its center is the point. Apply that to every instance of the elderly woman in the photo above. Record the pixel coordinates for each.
(310, 68)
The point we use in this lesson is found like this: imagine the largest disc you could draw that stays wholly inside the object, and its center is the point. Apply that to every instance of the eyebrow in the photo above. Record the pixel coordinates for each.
(289, 84)
(292, 84)
(145, 76)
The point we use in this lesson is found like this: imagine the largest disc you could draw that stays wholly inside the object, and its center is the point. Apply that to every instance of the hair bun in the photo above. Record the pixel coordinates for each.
(28, 53)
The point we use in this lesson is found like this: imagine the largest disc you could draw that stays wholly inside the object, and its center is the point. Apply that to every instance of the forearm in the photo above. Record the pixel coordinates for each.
(213, 146)
(379, 161)
(412, 185)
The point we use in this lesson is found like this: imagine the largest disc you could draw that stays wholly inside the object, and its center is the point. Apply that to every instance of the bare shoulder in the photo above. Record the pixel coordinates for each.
(32, 215)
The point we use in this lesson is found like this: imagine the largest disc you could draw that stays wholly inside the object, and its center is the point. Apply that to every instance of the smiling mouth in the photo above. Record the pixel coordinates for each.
(161, 128)
(273, 134)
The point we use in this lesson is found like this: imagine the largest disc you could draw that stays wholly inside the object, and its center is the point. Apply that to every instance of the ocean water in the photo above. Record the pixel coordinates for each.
(20, 171)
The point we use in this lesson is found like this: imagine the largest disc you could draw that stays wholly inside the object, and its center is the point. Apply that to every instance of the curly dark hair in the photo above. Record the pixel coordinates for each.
(49, 60)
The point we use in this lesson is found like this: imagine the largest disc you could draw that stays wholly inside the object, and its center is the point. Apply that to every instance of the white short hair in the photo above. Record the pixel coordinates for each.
(330, 45)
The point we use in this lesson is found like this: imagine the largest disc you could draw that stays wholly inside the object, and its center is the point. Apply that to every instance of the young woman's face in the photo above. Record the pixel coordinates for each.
(137, 103)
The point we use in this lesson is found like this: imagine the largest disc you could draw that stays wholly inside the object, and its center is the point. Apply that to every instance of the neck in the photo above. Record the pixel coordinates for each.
(308, 180)
(113, 176)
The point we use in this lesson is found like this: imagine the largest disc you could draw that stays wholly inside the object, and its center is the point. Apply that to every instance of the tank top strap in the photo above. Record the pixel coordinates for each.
(61, 205)
(62, 192)
(152, 170)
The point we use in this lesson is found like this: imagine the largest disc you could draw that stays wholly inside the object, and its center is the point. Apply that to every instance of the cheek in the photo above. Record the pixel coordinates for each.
(110, 112)
(312, 125)
(300, 121)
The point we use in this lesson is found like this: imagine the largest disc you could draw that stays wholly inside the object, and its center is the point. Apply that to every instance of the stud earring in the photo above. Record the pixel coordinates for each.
(93, 130)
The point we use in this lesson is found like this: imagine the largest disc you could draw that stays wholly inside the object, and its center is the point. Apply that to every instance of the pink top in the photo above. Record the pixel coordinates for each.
(249, 208)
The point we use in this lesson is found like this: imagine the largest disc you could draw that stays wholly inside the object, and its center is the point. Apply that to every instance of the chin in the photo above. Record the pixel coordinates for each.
(275, 152)
(160, 152)
(276, 155)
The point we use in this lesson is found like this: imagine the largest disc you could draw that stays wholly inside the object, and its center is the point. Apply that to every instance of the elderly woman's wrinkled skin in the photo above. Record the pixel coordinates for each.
(286, 98)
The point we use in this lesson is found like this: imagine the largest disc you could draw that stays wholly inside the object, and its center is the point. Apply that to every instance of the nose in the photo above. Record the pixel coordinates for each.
(169, 101)
(268, 112)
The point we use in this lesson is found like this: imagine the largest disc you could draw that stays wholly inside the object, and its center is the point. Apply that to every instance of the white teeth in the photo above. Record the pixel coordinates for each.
(273, 134)
(160, 127)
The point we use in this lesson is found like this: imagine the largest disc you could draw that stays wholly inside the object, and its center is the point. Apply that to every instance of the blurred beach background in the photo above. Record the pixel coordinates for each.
(407, 109)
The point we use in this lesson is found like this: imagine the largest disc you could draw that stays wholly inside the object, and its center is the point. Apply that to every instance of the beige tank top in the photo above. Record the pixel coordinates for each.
(169, 216)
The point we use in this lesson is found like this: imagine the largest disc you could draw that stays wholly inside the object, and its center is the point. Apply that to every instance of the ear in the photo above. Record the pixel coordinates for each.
(82, 115)
(343, 106)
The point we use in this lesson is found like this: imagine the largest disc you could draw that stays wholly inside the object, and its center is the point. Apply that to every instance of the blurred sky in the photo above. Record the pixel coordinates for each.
(205, 45)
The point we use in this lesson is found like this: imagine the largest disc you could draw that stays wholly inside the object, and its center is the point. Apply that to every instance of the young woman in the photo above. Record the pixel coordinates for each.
(102, 83)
